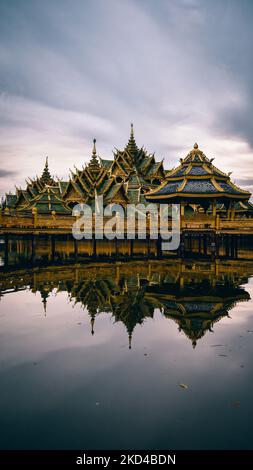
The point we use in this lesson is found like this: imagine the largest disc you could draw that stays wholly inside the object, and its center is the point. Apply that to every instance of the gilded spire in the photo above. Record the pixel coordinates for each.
(131, 145)
(46, 177)
(132, 131)
(129, 340)
(94, 163)
(94, 151)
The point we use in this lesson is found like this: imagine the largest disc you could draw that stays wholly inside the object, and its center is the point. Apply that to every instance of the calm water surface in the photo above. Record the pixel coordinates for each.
(92, 357)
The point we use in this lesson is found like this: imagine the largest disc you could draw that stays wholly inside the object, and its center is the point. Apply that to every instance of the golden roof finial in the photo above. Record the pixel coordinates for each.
(94, 151)
(195, 146)
(132, 130)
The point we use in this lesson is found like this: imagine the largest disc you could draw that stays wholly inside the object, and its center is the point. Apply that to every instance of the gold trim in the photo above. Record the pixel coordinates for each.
(216, 185)
(180, 188)
(197, 195)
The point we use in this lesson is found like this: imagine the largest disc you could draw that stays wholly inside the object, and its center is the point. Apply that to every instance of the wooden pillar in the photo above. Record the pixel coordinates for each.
(34, 216)
(181, 281)
(182, 207)
(217, 222)
(214, 207)
(6, 250)
(233, 211)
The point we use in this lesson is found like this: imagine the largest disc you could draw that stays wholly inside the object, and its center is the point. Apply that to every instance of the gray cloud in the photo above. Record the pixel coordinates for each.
(4, 173)
(181, 70)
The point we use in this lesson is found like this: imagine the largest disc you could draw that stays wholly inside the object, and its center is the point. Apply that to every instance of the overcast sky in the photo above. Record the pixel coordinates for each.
(72, 70)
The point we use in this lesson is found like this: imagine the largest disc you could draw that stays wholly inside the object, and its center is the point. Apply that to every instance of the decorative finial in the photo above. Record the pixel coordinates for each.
(129, 341)
(132, 130)
(94, 151)
(195, 146)
(44, 301)
(46, 164)
(92, 326)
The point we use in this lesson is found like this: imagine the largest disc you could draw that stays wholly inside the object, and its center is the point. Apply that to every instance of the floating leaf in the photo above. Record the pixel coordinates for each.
(183, 386)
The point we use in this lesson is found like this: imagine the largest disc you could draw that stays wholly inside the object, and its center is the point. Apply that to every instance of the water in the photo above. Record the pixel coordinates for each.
(92, 356)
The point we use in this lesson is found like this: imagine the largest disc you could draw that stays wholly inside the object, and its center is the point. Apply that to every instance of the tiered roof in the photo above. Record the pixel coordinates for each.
(43, 193)
(47, 201)
(136, 168)
(93, 180)
(196, 178)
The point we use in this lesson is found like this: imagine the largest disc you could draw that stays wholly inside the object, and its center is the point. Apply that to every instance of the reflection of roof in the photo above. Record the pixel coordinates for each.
(134, 294)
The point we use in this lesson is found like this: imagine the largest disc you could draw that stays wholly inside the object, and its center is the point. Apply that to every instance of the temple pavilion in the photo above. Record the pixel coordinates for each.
(197, 184)
(134, 176)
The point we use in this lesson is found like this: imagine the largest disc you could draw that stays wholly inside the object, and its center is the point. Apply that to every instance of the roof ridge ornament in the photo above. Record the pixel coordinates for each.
(131, 145)
(94, 163)
(94, 150)
(46, 177)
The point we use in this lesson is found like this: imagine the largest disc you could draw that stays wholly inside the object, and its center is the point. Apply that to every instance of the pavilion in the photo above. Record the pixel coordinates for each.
(196, 184)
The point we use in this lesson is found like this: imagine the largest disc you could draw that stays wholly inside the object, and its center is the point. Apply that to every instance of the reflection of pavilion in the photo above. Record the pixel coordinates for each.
(195, 310)
(194, 295)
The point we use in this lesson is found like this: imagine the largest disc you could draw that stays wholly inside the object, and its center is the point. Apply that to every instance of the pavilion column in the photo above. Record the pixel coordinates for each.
(214, 207)
(217, 222)
(182, 207)
(34, 216)
(232, 211)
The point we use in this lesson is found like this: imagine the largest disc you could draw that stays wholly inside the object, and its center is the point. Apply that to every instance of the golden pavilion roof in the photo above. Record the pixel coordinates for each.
(196, 177)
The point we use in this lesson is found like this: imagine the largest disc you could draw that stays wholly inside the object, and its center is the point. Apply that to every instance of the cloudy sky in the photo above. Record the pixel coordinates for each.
(72, 70)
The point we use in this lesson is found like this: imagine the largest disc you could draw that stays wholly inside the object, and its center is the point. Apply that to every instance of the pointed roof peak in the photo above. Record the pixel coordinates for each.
(94, 163)
(46, 177)
(196, 156)
(94, 150)
(132, 130)
(131, 145)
